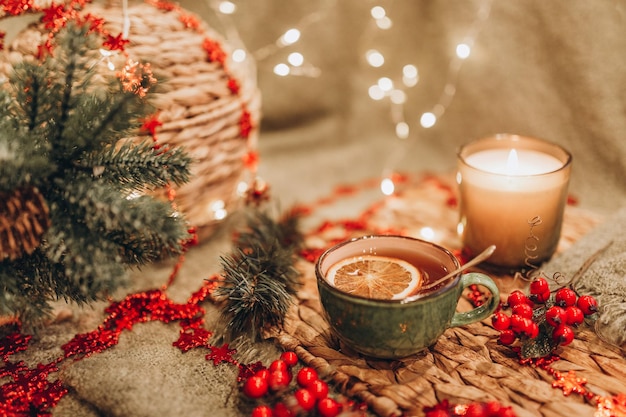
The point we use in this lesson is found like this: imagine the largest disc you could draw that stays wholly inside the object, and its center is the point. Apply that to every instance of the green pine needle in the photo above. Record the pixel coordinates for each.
(62, 122)
(260, 278)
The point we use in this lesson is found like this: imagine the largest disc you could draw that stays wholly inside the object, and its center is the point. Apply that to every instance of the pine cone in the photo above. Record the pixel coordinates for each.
(24, 218)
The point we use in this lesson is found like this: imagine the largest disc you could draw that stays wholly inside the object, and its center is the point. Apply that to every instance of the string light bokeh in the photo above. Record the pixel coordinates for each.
(389, 88)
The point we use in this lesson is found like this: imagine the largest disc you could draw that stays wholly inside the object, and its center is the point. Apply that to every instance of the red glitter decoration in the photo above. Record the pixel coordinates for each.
(55, 17)
(150, 125)
(30, 393)
(17, 7)
(190, 21)
(569, 383)
(115, 43)
(251, 160)
(245, 124)
(192, 338)
(221, 354)
(214, 51)
(163, 5)
(13, 343)
(233, 85)
(611, 406)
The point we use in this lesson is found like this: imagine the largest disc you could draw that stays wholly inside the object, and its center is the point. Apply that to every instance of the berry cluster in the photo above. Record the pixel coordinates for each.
(308, 397)
(543, 313)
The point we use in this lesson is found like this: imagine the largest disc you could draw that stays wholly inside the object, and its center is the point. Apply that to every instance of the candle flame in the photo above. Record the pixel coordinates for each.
(512, 163)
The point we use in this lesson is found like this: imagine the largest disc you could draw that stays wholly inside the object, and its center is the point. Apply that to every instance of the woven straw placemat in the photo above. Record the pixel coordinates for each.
(466, 364)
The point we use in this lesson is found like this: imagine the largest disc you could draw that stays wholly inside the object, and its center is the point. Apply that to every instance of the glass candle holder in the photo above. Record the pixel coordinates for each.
(512, 194)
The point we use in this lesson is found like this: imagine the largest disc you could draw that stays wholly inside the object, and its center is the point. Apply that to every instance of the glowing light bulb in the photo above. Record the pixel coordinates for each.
(397, 96)
(218, 209)
(463, 50)
(410, 76)
(385, 84)
(402, 130)
(239, 55)
(378, 12)
(290, 37)
(227, 7)
(427, 233)
(384, 23)
(376, 93)
(242, 188)
(374, 58)
(282, 70)
(428, 120)
(296, 59)
(387, 186)
(410, 71)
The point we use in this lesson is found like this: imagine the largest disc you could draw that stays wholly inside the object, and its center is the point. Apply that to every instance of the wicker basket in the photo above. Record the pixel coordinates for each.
(215, 123)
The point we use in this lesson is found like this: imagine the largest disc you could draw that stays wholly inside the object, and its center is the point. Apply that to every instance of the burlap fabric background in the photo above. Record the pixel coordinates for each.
(547, 69)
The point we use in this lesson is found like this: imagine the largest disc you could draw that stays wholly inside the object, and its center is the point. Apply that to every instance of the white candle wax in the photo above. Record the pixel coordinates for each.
(514, 162)
(514, 200)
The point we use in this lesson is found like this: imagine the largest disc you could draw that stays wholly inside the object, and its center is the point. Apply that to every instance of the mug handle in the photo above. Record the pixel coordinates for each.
(483, 311)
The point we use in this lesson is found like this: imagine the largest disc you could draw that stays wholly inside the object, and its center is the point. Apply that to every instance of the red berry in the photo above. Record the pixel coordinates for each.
(492, 408)
(517, 297)
(263, 373)
(319, 388)
(475, 410)
(507, 412)
(541, 297)
(563, 335)
(565, 297)
(524, 310)
(305, 399)
(587, 304)
(262, 411)
(533, 331)
(507, 337)
(574, 316)
(539, 286)
(555, 316)
(327, 407)
(290, 358)
(306, 375)
(437, 413)
(500, 321)
(281, 410)
(278, 380)
(255, 387)
(520, 324)
(278, 365)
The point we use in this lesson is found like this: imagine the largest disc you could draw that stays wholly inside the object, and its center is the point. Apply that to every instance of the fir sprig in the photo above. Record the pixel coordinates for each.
(260, 278)
(62, 121)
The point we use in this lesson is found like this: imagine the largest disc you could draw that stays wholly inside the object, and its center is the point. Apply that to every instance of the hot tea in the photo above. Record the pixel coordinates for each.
(387, 277)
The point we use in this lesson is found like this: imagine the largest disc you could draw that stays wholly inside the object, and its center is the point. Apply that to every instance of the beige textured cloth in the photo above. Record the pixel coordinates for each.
(596, 264)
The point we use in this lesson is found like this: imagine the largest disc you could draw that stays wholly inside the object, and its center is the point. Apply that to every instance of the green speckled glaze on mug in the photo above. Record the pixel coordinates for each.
(397, 328)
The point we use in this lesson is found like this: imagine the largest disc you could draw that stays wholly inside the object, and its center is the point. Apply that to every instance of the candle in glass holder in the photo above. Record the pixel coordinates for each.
(512, 194)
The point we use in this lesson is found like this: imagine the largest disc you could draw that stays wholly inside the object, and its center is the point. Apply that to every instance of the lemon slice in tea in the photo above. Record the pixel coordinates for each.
(374, 276)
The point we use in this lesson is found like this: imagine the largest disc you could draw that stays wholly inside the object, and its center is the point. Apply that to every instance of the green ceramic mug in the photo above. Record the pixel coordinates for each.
(393, 329)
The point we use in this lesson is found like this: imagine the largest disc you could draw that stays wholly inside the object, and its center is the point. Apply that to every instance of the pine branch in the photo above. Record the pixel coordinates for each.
(137, 166)
(134, 230)
(260, 277)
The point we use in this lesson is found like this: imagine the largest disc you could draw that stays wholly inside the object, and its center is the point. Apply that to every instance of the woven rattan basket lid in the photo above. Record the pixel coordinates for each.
(208, 104)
